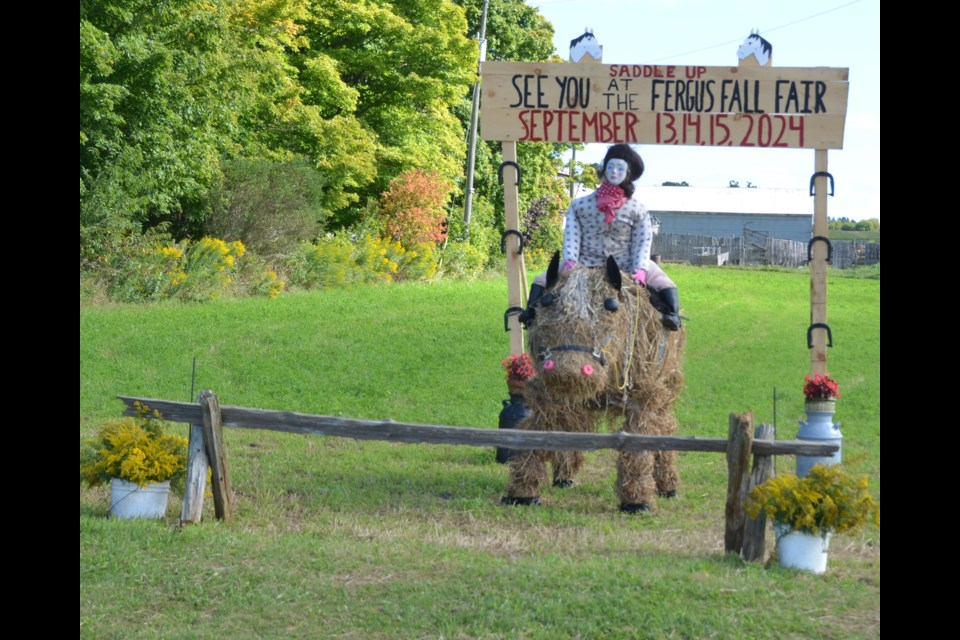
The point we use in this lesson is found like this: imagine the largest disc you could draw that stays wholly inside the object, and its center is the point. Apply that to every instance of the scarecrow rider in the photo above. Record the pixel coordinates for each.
(611, 222)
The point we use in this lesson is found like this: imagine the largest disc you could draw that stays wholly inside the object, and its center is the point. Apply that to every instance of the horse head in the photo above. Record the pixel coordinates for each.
(582, 329)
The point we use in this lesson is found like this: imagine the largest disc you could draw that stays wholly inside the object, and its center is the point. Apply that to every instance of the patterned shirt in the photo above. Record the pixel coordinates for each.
(588, 240)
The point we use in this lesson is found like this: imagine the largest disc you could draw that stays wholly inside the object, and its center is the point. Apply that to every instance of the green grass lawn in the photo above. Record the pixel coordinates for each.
(346, 539)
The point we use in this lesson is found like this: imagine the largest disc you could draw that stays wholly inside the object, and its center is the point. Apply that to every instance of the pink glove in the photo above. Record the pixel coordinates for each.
(569, 264)
(640, 277)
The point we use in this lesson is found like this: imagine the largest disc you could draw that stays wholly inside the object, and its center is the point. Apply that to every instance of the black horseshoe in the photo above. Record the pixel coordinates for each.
(815, 239)
(503, 240)
(819, 325)
(812, 178)
(512, 164)
(511, 311)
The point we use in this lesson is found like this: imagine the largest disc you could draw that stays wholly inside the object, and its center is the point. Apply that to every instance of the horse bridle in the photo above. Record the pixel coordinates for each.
(597, 352)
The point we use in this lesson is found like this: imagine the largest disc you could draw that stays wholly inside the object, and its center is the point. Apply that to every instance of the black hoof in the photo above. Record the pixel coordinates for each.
(526, 502)
(562, 484)
(667, 494)
(636, 507)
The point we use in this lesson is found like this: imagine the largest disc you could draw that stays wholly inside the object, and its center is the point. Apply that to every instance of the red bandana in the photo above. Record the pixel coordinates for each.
(610, 198)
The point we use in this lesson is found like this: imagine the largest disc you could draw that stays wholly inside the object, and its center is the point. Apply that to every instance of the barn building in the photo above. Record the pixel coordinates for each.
(730, 212)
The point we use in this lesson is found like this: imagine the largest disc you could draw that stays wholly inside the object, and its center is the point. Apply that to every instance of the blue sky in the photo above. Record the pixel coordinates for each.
(814, 33)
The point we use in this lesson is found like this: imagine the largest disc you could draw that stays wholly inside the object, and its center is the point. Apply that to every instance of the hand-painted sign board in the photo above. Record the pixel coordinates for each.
(798, 108)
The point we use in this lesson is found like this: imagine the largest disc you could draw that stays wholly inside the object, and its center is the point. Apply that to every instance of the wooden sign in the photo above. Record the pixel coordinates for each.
(797, 108)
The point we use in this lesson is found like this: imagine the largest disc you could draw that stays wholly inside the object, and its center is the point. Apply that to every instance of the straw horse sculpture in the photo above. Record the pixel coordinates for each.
(600, 351)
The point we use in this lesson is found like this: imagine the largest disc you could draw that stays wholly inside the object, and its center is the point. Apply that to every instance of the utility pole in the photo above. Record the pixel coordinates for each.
(474, 116)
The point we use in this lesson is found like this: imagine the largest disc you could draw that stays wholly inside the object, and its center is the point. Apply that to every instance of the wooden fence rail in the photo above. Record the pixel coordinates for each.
(208, 417)
(414, 433)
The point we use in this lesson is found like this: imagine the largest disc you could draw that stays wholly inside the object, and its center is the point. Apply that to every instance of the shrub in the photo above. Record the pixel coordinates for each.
(827, 499)
(337, 261)
(270, 206)
(208, 268)
(328, 263)
(412, 208)
(133, 449)
(462, 260)
(541, 226)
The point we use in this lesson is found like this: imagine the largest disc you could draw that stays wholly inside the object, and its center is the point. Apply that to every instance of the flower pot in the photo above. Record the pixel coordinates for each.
(516, 385)
(820, 428)
(800, 550)
(129, 500)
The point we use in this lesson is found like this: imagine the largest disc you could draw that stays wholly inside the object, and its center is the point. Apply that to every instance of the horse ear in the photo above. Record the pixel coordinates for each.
(553, 271)
(613, 273)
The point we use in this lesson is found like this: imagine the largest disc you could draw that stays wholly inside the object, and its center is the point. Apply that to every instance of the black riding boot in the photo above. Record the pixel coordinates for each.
(528, 314)
(667, 302)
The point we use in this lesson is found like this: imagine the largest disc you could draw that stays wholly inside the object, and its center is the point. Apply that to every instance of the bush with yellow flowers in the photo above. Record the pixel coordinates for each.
(136, 449)
(828, 499)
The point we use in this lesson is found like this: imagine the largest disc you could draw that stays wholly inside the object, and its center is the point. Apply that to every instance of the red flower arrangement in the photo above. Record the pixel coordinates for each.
(820, 387)
(519, 367)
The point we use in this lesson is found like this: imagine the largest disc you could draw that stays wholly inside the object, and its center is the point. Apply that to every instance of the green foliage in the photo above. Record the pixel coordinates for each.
(828, 499)
(269, 121)
(149, 267)
(133, 449)
(411, 209)
(462, 260)
(271, 206)
(484, 236)
(150, 134)
(338, 260)
(515, 30)
(409, 63)
(542, 230)
(846, 224)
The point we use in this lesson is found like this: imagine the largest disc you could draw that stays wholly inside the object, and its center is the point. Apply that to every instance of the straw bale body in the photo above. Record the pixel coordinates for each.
(601, 353)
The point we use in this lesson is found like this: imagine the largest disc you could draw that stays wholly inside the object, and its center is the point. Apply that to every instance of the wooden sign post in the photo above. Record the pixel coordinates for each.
(515, 267)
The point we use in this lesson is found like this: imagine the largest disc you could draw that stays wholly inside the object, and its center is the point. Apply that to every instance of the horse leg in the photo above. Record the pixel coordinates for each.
(635, 482)
(665, 473)
(665, 462)
(566, 464)
(528, 470)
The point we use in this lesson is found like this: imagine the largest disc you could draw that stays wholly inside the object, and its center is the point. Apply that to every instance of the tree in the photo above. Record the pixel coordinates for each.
(410, 65)
(515, 31)
(149, 138)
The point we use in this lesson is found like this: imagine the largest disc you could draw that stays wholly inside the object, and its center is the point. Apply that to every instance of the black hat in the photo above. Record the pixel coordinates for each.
(624, 152)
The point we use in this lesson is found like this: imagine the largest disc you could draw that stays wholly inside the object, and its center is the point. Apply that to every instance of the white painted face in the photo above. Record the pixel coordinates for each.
(616, 171)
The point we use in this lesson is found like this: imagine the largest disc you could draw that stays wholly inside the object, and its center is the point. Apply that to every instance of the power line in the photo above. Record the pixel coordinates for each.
(728, 42)
(765, 31)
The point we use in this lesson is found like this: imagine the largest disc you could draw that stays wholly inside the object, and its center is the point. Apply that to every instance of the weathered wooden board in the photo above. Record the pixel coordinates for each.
(468, 436)
(664, 104)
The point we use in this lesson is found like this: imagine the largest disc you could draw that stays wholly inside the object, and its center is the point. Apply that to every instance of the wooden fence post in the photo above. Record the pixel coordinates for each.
(738, 469)
(217, 455)
(754, 535)
(196, 482)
